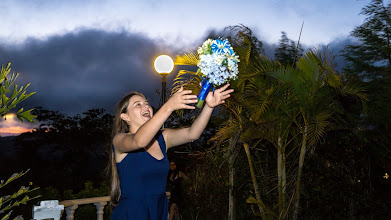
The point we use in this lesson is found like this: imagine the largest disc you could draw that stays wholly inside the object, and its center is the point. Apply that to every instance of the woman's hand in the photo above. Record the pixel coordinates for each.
(181, 100)
(218, 96)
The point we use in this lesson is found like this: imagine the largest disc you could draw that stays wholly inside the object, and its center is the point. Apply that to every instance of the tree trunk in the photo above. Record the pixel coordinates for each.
(231, 204)
(255, 184)
(281, 172)
(233, 152)
(298, 181)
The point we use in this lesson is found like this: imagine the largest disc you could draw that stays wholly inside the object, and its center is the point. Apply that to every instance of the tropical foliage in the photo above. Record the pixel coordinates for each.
(370, 59)
(288, 107)
(293, 142)
(8, 202)
(18, 95)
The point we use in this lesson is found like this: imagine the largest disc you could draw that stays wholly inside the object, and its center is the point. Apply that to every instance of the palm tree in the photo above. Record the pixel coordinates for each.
(268, 104)
(313, 88)
(232, 129)
(294, 106)
(289, 107)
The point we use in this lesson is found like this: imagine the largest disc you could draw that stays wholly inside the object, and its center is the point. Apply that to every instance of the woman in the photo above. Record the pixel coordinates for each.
(139, 163)
(174, 184)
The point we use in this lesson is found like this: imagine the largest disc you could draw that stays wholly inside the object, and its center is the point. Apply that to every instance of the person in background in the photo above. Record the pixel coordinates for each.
(138, 163)
(174, 186)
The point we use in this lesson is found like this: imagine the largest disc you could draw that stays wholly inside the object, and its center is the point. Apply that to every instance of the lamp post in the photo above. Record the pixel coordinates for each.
(163, 65)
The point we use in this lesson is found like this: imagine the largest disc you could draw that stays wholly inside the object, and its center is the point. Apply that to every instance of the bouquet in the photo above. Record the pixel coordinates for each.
(218, 64)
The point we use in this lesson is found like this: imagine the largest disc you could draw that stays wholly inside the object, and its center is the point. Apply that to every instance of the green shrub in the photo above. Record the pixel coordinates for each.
(8, 202)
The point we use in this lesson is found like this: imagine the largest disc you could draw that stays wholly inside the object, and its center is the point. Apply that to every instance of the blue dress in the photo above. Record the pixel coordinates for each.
(143, 184)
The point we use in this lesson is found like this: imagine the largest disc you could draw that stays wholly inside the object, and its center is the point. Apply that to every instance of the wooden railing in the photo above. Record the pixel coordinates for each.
(71, 205)
(53, 209)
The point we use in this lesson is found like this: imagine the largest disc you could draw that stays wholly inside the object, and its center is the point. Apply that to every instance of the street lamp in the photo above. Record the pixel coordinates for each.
(163, 65)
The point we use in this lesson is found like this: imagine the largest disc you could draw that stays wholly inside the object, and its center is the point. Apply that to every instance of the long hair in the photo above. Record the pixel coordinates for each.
(119, 126)
(174, 172)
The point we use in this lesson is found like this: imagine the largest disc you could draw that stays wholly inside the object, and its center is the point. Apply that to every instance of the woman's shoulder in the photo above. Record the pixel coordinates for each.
(119, 137)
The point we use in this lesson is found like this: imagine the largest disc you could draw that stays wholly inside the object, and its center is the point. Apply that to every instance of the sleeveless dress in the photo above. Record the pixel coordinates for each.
(143, 183)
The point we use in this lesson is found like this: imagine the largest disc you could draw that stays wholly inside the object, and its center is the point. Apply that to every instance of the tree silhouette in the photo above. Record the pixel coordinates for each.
(71, 149)
(287, 52)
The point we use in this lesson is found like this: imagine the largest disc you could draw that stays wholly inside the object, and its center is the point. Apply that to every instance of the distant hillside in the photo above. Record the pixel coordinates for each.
(7, 147)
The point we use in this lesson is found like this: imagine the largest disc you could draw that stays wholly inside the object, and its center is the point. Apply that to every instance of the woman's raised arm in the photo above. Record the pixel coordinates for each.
(141, 136)
(175, 137)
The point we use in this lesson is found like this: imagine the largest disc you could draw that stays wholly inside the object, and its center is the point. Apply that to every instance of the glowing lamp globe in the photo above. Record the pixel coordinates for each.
(9, 116)
(164, 64)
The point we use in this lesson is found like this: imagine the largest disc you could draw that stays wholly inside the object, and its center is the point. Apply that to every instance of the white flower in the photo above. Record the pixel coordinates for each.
(200, 51)
(219, 59)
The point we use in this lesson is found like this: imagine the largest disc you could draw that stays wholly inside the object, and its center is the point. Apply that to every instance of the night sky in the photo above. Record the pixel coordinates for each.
(80, 55)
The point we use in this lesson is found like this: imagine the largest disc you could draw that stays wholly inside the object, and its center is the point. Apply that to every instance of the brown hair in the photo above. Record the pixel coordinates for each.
(119, 126)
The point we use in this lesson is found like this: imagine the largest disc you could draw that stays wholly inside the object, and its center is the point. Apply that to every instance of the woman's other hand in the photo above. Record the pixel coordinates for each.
(218, 96)
(182, 99)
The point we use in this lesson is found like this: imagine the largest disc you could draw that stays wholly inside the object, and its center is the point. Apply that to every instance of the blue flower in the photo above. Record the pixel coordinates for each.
(221, 47)
(220, 64)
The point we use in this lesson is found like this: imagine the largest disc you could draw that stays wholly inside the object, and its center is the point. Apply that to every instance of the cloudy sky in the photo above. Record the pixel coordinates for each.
(79, 55)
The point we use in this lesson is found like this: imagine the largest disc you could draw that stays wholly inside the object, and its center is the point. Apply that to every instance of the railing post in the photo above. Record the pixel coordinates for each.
(71, 211)
(100, 209)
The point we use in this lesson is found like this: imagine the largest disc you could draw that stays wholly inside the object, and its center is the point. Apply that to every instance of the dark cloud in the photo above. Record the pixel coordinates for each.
(88, 69)
(93, 69)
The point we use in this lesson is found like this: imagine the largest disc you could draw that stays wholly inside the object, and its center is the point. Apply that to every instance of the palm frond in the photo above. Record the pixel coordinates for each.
(186, 79)
(333, 80)
(252, 132)
(227, 130)
(190, 58)
(266, 65)
(259, 107)
(318, 126)
(351, 86)
(309, 66)
(326, 58)
(235, 108)
(243, 49)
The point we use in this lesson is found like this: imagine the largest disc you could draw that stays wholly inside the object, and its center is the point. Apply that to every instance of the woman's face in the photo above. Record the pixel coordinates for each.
(138, 112)
(172, 166)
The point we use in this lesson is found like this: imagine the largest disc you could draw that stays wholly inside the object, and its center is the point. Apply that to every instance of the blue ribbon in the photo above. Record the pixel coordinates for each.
(206, 86)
